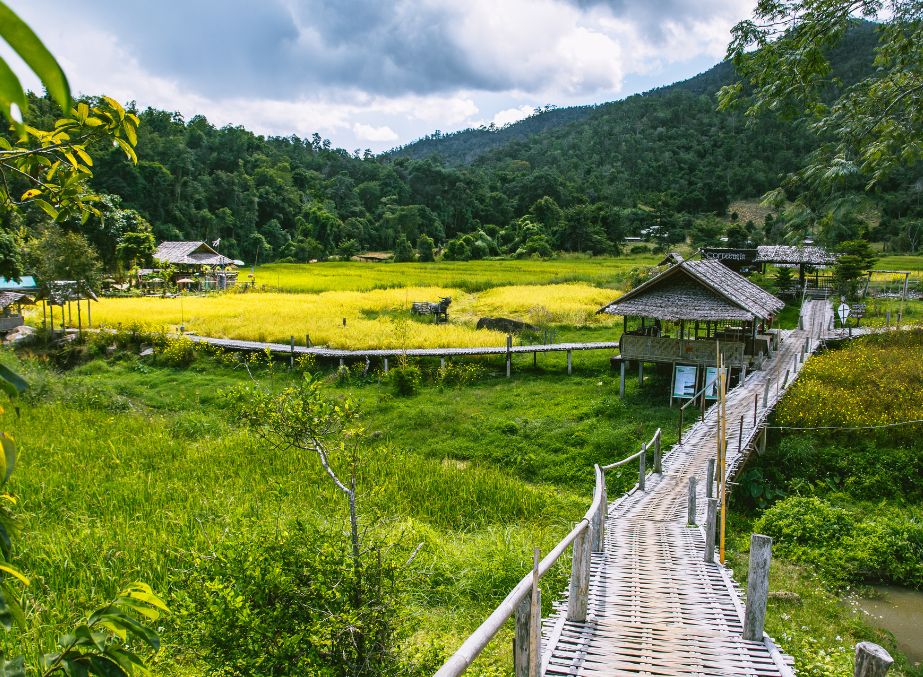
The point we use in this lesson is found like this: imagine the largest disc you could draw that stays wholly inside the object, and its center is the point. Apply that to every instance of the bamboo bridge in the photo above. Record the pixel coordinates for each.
(646, 596)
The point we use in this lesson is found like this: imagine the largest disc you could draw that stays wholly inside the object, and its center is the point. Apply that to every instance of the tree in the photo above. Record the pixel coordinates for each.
(61, 255)
(874, 126)
(403, 252)
(856, 258)
(136, 248)
(426, 249)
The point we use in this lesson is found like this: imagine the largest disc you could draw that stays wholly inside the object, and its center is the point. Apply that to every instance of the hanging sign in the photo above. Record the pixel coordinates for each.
(684, 379)
(843, 311)
(711, 382)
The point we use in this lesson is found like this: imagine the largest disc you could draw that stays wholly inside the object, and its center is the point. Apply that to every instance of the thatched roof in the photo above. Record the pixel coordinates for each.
(190, 254)
(671, 258)
(60, 292)
(697, 290)
(8, 298)
(777, 253)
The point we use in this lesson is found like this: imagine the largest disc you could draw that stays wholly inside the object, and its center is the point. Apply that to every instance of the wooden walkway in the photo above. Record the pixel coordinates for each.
(655, 607)
(285, 349)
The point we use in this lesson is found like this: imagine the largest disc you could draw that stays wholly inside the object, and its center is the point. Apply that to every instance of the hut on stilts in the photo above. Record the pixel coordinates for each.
(677, 318)
(68, 296)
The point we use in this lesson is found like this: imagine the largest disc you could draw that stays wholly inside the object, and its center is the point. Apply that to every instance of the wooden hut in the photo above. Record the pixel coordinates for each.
(198, 260)
(66, 294)
(680, 316)
(10, 301)
(806, 259)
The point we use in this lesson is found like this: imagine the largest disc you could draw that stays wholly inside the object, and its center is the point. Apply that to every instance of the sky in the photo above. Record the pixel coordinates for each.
(370, 73)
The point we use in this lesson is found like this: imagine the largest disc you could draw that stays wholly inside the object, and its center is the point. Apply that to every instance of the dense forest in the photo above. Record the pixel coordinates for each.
(665, 164)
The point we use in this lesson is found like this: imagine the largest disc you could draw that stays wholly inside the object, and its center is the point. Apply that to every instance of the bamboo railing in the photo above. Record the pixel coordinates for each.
(524, 600)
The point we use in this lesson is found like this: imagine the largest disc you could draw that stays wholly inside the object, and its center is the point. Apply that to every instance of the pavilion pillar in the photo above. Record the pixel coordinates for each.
(89, 315)
(44, 314)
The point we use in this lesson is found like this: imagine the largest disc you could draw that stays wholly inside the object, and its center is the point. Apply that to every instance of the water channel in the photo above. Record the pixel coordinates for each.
(900, 611)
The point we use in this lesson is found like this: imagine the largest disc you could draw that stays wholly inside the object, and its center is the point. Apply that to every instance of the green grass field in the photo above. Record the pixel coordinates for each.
(131, 471)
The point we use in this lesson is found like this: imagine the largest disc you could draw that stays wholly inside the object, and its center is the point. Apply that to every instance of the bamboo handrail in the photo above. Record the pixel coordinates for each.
(459, 661)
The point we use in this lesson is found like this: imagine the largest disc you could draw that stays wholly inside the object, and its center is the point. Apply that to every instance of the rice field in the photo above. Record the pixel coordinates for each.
(470, 276)
(379, 318)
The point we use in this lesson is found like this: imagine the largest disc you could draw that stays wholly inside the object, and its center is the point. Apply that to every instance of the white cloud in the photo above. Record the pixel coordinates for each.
(510, 115)
(370, 133)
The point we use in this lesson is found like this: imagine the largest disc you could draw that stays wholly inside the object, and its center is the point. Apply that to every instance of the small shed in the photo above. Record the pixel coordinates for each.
(680, 316)
(807, 258)
(64, 293)
(9, 300)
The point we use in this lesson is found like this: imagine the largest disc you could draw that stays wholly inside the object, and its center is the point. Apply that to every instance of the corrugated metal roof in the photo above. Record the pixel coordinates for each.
(26, 283)
(697, 290)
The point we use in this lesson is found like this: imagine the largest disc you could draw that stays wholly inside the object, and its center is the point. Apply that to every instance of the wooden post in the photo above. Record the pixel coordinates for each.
(766, 393)
(871, 660)
(341, 363)
(442, 363)
(690, 503)
(640, 372)
(757, 587)
(761, 445)
(599, 525)
(642, 467)
(291, 353)
(785, 380)
(711, 522)
(710, 478)
(887, 319)
(756, 401)
(535, 620)
(679, 436)
(386, 365)
(307, 340)
(740, 436)
(570, 362)
(622, 378)
(579, 597)
(658, 467)
(509, 354)
(51, 310)
(534, 359)
(79, 320)
(801, 327)
(89, 315)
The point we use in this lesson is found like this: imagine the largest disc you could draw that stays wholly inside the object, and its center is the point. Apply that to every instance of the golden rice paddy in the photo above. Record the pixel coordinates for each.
(379, 318)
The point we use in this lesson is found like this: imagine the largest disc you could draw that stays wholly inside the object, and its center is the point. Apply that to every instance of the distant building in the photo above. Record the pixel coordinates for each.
(197, 264)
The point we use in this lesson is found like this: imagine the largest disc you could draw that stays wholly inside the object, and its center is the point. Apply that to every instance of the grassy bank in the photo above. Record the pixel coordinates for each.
(131, 470)
(843, 504)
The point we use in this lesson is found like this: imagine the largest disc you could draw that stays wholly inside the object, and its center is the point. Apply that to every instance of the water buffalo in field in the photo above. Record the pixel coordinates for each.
(505, 325)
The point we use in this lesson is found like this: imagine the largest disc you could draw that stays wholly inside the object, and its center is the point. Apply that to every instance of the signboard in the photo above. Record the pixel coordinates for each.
(732, 258)
(684, 379)
(711, 382)
(843, 312)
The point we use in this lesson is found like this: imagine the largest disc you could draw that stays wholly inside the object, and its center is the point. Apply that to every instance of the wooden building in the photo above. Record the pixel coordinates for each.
(11, 303)
(682, 315)
(199, 262)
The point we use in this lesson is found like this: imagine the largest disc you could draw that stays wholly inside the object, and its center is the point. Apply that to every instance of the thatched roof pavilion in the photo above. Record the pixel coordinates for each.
(190, 255)
(8, 319)
(800, 256)
(684, 313)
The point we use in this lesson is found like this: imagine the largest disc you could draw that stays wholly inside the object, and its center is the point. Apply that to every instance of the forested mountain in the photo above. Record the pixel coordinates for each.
(580, 179)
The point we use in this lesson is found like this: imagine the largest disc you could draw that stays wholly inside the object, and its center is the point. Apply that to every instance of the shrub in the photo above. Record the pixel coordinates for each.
(281, 602)
(406, 378)
(460, 374)
(178, 351)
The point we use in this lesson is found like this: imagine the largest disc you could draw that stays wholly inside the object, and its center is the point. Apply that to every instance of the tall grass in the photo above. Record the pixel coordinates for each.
(379, 318)
(469, 276)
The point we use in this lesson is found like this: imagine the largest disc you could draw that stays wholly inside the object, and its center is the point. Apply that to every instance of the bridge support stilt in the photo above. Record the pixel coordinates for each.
(757, 587)
(570, 362)
(579, 596)
(766, 394)
(711, 521)
(871, 660)
(640, 372)
(386, 365)
(658, 463)
(622, 378)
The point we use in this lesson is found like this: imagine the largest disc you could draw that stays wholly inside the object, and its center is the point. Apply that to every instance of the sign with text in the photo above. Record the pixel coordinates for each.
(711, 382)
(732, 258)
(684, 379)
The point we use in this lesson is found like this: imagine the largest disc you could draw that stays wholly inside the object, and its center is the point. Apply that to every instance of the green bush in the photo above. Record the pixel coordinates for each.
(178, 351)
(406, 379)
(871, 544)
(459, 374)
(291, 602)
